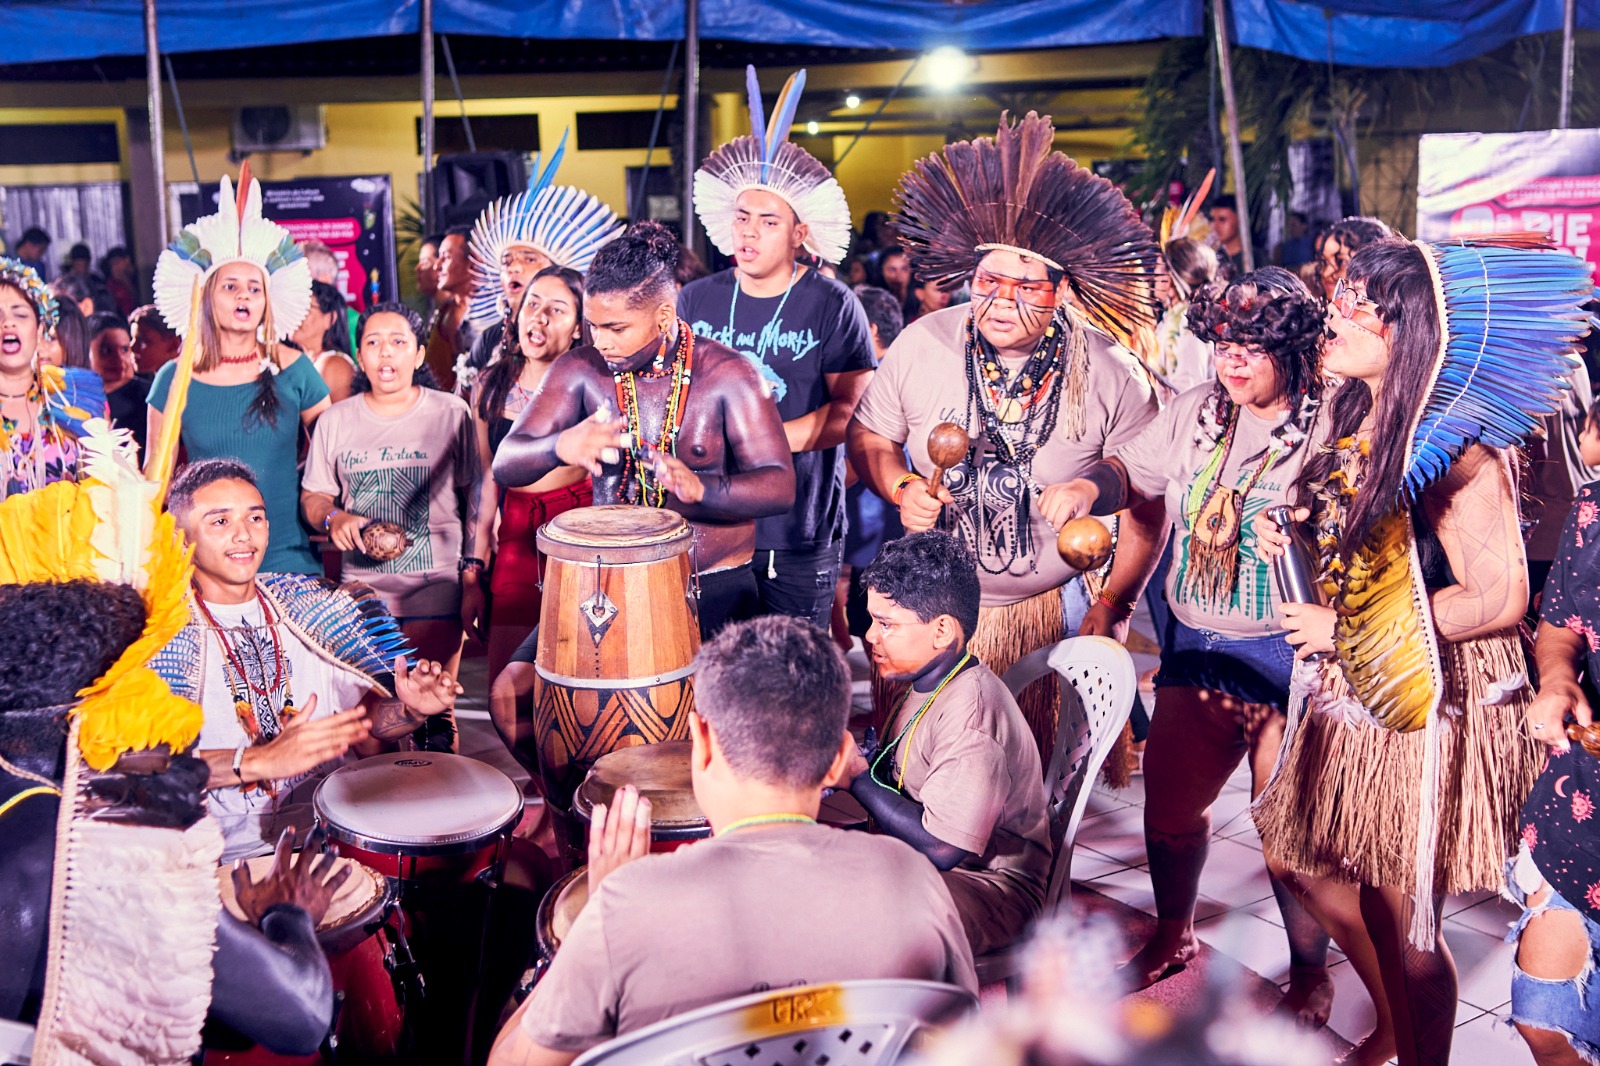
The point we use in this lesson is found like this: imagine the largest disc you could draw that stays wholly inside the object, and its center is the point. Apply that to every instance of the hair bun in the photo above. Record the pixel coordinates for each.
(660, 241)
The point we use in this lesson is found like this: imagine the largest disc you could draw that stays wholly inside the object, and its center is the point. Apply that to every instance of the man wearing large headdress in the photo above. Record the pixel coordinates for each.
(1059, 264)
(766, 203)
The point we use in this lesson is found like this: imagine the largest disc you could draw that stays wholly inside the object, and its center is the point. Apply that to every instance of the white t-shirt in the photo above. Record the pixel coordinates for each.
(251, 820)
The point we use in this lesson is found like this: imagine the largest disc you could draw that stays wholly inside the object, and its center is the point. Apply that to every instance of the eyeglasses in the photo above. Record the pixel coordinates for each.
(989, 286)
(1347, 302)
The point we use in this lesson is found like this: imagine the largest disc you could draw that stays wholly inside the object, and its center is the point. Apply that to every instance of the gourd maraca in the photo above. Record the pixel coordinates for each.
(947, 445)
(384, 541)
(1085, 543)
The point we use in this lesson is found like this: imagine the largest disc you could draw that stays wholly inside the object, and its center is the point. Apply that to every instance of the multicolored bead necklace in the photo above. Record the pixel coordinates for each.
(638, 482)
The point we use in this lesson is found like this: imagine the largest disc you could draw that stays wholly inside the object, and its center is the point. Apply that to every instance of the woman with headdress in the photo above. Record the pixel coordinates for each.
(1216, 456)
(1041, 391)
(251, 394)
(514, 239)
(1406, 756)
(43, 408)
(549, 323)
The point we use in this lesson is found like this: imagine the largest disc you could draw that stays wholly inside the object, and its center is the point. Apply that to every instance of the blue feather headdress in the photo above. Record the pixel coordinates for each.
(1511, 318)
(767, 160)
(564, 224)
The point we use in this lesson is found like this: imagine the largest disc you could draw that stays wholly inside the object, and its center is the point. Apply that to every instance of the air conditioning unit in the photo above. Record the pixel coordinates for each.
(279, 128)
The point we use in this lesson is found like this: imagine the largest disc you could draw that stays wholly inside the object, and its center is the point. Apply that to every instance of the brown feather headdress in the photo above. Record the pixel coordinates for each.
(1013, 191)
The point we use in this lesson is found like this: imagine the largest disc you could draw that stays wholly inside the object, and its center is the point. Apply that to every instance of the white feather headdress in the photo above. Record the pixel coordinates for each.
(235, 234)
(564, 224)
(767, 160)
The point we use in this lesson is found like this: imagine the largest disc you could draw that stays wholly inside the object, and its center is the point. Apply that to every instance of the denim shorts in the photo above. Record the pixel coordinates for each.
(1561, 1006)
(1252, 669)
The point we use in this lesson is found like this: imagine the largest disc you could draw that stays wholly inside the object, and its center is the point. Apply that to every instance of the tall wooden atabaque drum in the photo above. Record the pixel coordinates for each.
(618, 631)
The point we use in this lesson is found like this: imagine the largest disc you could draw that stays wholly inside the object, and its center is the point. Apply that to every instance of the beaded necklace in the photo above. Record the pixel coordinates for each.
(765, 336)
(766, 819)
(238, 679)
(1214, 515)
(638, 483)
(25, 448)
(909, 731)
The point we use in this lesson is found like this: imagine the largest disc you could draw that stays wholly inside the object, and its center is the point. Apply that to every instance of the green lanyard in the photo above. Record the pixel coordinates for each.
(765, 819)
(909, 729)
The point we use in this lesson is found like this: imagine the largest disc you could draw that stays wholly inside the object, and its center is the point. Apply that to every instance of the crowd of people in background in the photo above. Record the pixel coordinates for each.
(781, 398)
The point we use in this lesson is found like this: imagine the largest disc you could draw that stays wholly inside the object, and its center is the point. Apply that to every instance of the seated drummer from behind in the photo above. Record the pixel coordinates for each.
(958, 777)
(661, 418)
(758, 906)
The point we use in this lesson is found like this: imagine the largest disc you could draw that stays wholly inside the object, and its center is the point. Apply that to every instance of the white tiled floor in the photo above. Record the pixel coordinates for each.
(1238, 917)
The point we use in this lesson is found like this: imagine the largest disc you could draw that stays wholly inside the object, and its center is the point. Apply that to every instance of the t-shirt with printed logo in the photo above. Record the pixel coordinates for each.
(794, 340)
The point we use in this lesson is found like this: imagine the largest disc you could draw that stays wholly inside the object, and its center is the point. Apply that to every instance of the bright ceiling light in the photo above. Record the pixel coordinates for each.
(812, 127)
(948, 67)
(852, 101)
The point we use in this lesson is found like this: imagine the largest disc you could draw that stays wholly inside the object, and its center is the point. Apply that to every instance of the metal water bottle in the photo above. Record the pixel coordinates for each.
(1294, 572)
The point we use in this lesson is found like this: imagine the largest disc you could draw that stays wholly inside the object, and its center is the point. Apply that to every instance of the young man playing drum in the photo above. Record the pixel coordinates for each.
(661, 418)
(959, 778)
(757, 906)
(292, 673)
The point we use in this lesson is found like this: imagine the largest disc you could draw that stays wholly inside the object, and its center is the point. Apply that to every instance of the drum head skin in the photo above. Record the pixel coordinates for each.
(616, 533)
(661, 774)
(417, 803)
(559, 909)
(362, 901)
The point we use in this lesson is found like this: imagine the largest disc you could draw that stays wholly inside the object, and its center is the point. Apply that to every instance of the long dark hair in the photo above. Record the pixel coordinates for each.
(497, 379)
(1271, 309)
(1396, 277)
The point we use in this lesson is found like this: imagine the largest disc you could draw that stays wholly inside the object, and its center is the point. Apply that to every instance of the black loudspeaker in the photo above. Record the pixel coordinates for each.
(464, 183)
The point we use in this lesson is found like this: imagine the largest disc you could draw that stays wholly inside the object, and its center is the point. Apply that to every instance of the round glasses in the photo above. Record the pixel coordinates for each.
(1346, 301)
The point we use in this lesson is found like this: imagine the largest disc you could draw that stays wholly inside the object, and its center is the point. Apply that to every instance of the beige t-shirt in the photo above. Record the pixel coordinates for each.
(1166, 461)
(757, 909)
(923, 381)
(974, 766)
(405, 469)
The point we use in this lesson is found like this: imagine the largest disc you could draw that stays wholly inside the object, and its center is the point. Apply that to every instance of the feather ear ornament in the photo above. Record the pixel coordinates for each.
(237, 233)
(767, 160)
(564, 224)
(1511, 320)
(1012, 191)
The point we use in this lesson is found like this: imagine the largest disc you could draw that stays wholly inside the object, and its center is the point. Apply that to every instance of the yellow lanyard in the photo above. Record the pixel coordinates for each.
(909, 731)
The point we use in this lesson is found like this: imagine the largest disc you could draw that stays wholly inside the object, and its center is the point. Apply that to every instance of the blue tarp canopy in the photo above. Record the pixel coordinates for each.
(1384, 33)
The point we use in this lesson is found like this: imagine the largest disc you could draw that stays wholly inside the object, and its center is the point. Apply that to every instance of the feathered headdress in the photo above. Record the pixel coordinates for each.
(1012, 191)
(235, 234)
(23, 278)
(564, 224)
(1511, 319)
(768, 160)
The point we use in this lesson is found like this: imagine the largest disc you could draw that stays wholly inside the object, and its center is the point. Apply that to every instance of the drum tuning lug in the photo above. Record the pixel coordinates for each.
(402, 964)
(598, 613)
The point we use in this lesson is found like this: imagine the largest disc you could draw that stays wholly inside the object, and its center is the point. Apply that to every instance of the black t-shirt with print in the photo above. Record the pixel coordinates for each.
(819, 329)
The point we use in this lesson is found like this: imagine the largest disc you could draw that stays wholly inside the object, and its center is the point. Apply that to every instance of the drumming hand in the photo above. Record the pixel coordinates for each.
(618, 834)
(302, 880)
(678, 479)
(920, 505)
(1062, 502)
(1271, 540)
(345, 531)
(427, 688)
(589, 443)
(304, 744)
(1308, 626)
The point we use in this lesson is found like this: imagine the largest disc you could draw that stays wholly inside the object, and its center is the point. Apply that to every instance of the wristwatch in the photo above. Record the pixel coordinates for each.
(469, 562)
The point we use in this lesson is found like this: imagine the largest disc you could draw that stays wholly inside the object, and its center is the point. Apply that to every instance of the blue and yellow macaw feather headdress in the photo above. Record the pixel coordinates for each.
(1511, 318)
(566, 224)
(24, 278)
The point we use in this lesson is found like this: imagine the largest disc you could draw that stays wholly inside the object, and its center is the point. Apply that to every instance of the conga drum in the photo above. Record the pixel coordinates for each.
(661, 774)
(557, 911)
(356, 935)
(618, 630)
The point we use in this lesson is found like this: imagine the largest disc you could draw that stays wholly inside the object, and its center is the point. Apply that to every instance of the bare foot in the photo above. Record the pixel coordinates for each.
(1375, 1049)
(1165, 954)
(1310, 996)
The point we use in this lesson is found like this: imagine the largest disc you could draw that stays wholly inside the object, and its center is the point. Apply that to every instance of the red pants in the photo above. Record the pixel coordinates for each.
(518, 564)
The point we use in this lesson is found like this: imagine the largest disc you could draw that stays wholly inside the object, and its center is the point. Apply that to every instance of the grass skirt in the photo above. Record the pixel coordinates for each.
(1345, 802)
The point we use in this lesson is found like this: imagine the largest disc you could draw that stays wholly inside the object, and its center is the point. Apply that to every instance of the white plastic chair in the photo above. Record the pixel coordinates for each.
(855, 1022)
(16, 1043)
(1098, 686)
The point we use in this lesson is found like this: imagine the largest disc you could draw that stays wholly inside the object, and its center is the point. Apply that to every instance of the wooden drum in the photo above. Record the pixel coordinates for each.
(618, 630)
(661, 774)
